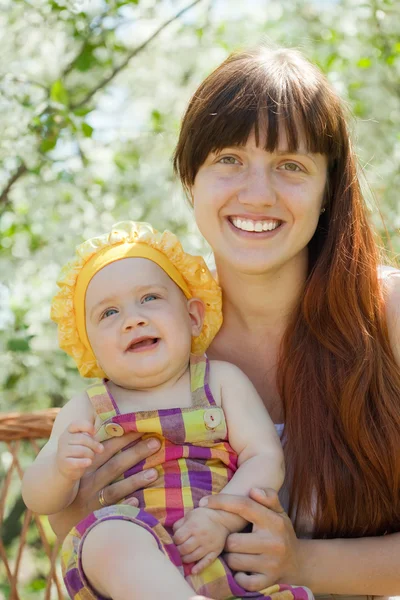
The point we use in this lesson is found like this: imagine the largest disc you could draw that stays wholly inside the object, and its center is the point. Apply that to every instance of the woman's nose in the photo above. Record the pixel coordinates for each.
(259, 188)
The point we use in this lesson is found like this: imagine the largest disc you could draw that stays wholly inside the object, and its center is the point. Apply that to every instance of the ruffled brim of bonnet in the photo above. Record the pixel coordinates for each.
(193, 269)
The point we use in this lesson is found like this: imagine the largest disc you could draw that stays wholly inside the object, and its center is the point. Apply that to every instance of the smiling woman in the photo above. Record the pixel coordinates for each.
(265, 155)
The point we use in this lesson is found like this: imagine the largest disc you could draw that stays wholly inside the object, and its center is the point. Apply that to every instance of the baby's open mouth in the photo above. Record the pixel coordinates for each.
(142, 343)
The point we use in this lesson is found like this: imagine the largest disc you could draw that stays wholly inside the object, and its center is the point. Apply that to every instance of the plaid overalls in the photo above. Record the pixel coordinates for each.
(195, 460)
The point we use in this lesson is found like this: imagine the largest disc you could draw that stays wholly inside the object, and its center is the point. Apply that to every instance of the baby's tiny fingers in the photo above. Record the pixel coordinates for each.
(204, 562)
(198, 554)
(79, 452)
(189, 546)
(83, 439)
(75, 464)
(182, 535)
(178, 524)
(81, 427)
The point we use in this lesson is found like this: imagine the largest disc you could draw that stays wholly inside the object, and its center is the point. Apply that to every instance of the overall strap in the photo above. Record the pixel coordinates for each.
(199, 385)
(102, 401)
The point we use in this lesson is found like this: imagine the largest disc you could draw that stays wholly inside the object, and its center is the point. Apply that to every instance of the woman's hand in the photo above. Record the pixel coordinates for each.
(271, 552)
(107, 467)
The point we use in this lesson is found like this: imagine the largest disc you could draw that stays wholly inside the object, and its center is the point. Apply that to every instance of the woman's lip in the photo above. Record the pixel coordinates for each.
(255, 218)
(256, 235)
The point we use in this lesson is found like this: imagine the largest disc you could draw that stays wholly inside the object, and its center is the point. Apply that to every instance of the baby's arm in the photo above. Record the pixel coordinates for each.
(52, 481)
(201, 534)
(251, 434)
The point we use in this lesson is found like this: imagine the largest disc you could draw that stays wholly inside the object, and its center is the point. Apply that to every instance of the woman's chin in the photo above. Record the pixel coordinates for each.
(249, 263)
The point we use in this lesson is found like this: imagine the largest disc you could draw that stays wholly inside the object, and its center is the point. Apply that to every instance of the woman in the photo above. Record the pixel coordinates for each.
(265, 156)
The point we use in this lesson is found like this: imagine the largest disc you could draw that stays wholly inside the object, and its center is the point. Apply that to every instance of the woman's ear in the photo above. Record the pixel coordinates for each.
(197, 312)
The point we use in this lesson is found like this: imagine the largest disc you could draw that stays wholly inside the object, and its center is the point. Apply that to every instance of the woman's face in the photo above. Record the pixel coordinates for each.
(258, 210)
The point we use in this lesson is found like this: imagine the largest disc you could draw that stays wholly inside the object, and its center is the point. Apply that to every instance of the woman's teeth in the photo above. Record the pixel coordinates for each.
(247, 225)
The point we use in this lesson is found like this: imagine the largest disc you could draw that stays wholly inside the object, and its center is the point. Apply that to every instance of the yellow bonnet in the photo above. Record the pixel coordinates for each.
(129, 239)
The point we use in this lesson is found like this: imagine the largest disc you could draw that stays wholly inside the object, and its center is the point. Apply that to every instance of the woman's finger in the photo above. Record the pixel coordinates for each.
(267, 497)
(247, 543)
(242, 562)
(252, 583)
(115, 444)
(249, 509)
(131, 501)
(115, 492)
(119, 463)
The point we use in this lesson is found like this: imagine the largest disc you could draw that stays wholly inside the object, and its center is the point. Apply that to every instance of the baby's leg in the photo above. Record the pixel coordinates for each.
(122, 561)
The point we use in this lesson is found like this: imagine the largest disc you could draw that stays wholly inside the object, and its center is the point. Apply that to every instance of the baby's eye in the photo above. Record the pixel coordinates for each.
(228, 160)
(108, 313)
(149, 298)
(291, 166)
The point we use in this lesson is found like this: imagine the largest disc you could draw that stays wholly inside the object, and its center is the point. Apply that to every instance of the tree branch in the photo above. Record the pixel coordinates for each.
(22, 169)
(134, 52)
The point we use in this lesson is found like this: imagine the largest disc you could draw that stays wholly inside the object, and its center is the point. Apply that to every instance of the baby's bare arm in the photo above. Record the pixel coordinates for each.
(252, 435)
(52, 481)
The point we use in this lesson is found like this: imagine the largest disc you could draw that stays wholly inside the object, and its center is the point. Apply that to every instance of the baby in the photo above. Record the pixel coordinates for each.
(137, 311)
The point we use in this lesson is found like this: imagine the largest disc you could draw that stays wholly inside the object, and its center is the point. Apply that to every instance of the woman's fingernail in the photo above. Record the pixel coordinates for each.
(203, 501)
(131, 501)
(260, 491)
(150, 474)
(153, 443)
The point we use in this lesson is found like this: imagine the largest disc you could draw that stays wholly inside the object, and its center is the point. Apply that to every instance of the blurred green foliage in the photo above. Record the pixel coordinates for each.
(91, 97)
(92, 93)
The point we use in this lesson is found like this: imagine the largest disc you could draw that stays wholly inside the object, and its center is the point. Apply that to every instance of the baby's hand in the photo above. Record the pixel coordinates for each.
(76, 449)
(200, 536)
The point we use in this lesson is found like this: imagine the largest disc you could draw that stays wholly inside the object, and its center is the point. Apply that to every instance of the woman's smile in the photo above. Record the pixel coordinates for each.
(258, 228)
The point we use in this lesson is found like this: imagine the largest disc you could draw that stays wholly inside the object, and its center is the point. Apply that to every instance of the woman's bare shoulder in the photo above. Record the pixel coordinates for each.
(390, 279)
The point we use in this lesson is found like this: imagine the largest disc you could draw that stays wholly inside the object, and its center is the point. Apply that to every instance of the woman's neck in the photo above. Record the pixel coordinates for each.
(261, 303)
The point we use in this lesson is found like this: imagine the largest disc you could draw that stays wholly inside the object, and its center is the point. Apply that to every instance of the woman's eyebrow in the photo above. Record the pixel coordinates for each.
(299, 152)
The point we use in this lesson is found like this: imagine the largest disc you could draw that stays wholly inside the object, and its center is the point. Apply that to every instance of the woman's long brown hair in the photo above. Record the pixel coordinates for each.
(337, 375)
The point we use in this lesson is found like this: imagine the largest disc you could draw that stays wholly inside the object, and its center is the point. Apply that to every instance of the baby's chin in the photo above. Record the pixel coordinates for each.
(143, 381)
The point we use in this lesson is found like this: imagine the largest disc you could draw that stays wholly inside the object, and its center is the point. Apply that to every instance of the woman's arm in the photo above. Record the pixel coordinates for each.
(272, 553)
(369, 566)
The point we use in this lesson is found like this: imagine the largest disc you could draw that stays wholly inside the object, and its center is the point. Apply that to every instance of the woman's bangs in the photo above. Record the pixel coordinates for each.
(306, 124)
(231, 119)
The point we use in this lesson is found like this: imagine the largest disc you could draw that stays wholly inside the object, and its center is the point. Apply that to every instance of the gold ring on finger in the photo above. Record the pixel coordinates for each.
(102, 500)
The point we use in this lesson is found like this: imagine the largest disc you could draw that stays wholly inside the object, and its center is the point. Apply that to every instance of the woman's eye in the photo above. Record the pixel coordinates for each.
(291, 166)
(149, 298)
(108, 313)
(228, 160)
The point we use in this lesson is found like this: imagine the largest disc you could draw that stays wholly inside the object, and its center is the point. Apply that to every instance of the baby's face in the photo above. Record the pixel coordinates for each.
(139, 323)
